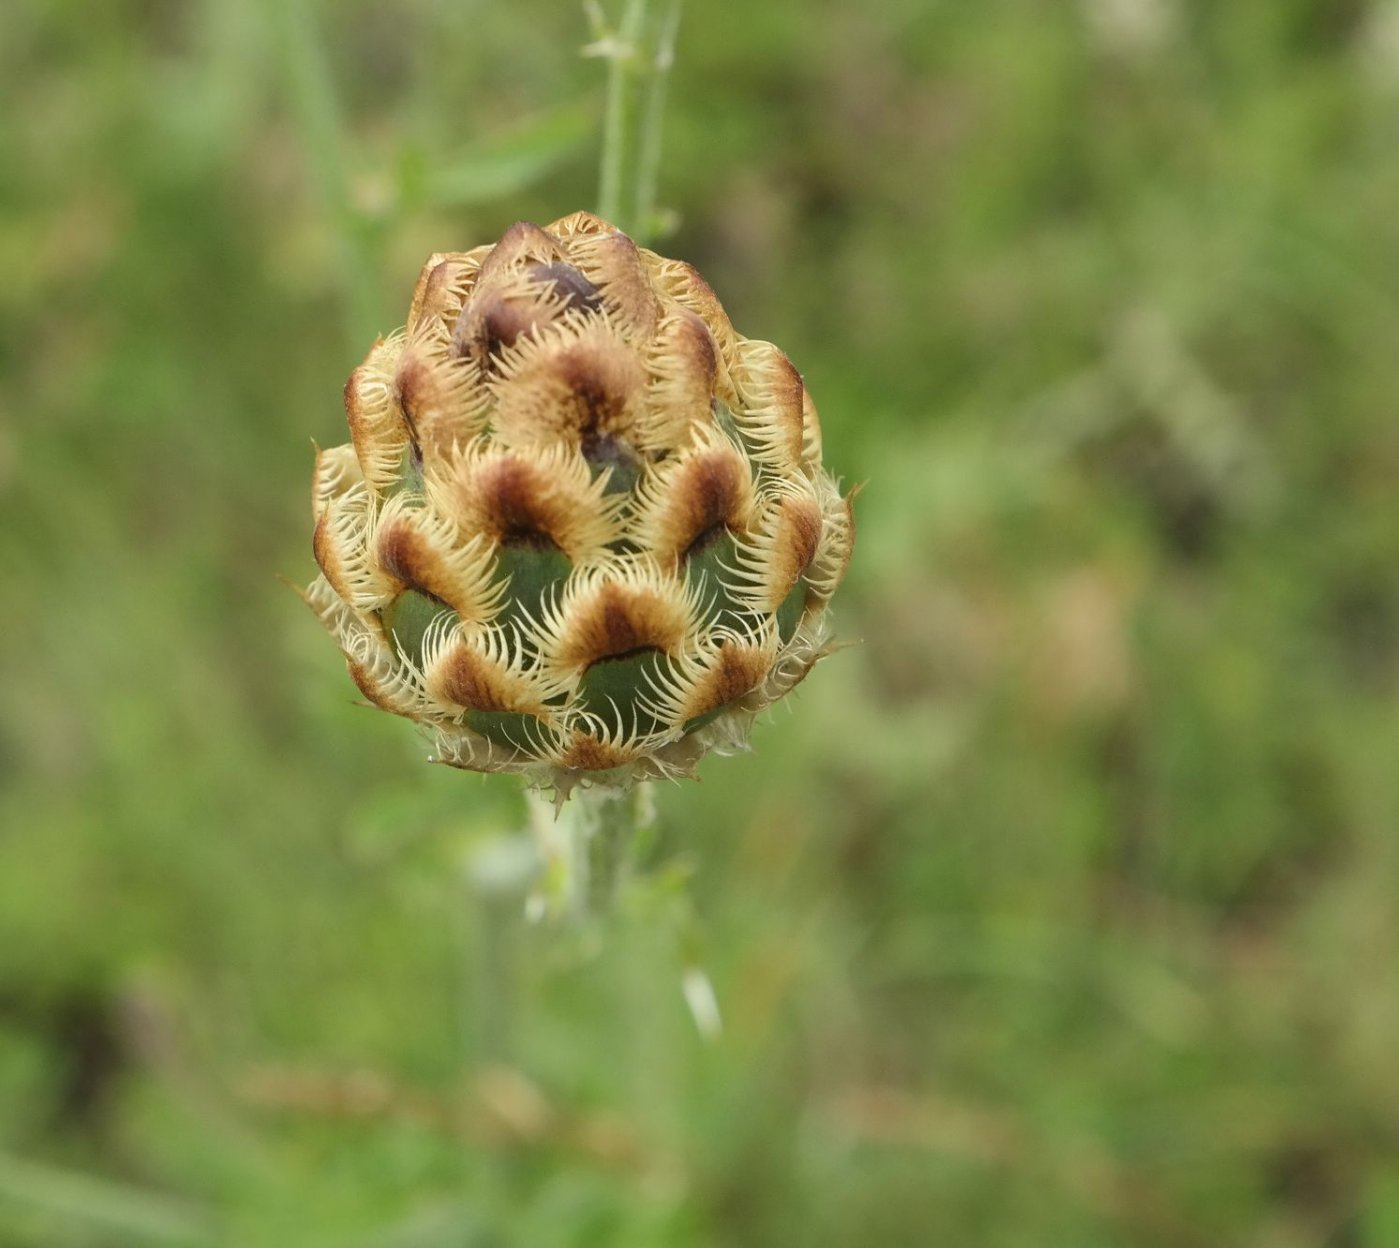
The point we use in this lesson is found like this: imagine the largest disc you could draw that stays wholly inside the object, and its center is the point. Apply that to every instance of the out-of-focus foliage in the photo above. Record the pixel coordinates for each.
(1064, 909)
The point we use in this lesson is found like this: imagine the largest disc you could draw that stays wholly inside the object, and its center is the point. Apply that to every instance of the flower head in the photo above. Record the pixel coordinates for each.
(581, 530)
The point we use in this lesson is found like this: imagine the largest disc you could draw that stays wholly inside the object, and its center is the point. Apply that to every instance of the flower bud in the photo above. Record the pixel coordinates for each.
(581, 530)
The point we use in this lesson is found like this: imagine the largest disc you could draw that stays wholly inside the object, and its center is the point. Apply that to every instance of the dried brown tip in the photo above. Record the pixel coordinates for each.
(530, 498)
(377, 686)
(832, 560)
(503, 311)
(772, 399)
(788, 537)
(376, 421)
(421, 550)
(573, 386)
(584, 751)
(612, 262)
(336, 472)
(694, 499)
(579, 223)
(521, 244)
(721, 675)
(340, 545)
(443, 288)
(442, 405)
(682, 283)
(472, 670)
(684, 367)
(613, 611)
(376, 671)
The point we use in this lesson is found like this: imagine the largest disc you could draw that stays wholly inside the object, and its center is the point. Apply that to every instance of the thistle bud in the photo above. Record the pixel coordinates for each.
(581, 530)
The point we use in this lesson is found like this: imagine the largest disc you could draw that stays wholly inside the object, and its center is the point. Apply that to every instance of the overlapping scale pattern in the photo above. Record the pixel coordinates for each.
(582, 530)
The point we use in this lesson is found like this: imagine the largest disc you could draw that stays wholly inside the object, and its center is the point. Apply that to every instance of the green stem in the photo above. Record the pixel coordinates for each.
(587, 846)
(606, 846)
(621, 53)
(499, 873)
(648, 163)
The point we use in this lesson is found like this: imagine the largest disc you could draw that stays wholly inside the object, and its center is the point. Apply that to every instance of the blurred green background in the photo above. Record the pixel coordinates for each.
(1063, 910)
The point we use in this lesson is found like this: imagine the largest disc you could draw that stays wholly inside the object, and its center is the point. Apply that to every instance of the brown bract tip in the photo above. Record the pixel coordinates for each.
(788, 537)
(585, 752)
(340, 545)
(694, 498)
(440, 402)
(606, 618)
(579, 223)
(727, 674)
(336, 472)
(522, 243)
(477, 676)
(684, 368)
(377, 426)
(568, 385)
(531, 498)
(374, 668)
(772, 400)
(832, 560)
(443, 287)
(797, 534)
(422, 551)
(612, 262)
(683, 284)
(501, 312)
(369, 684)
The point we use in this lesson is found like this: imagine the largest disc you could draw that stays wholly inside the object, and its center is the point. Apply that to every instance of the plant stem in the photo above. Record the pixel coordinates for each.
(586, 847)
(608, 840)
(621, 53)
(499, 873)
(621, 48)
(648, 162)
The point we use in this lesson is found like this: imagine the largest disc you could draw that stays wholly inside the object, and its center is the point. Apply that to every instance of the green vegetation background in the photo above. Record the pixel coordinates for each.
(1064, 910)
